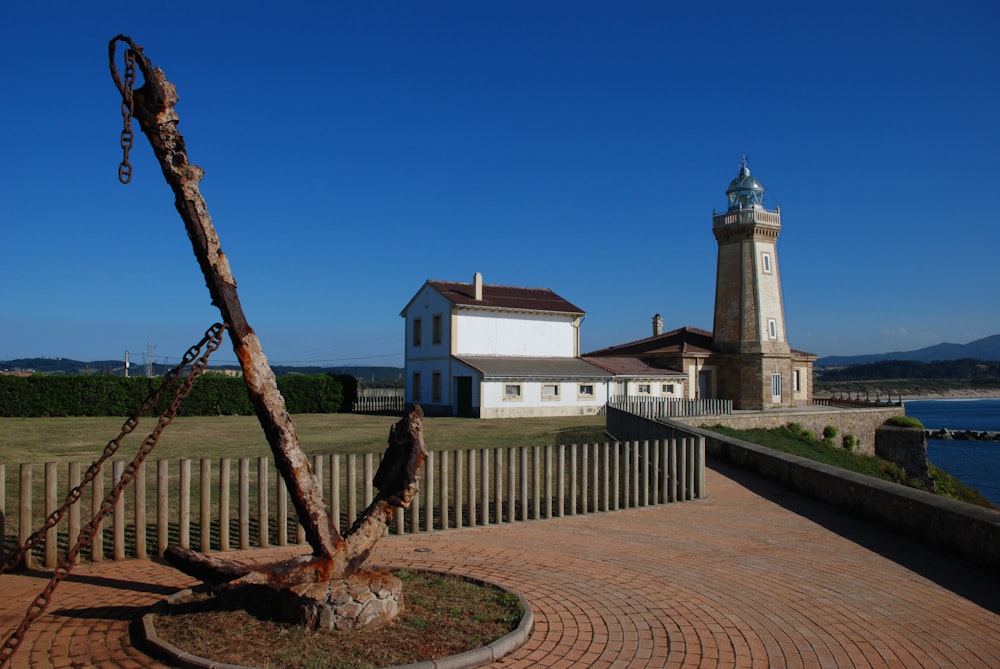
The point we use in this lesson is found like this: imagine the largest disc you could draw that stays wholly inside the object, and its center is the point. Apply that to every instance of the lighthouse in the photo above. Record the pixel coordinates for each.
(749, 326)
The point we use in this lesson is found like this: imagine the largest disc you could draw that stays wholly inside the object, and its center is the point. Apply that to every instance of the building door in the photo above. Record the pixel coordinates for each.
(463, 395)
(776, 388)
(705, 384)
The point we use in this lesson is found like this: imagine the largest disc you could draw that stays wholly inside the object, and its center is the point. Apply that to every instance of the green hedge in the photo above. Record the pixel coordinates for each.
(211, 395)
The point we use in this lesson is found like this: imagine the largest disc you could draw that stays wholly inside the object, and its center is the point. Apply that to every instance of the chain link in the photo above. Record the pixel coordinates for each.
(125, 169)
(198, 361)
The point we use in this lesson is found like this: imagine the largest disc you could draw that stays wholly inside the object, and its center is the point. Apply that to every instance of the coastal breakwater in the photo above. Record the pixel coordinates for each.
(962, 435)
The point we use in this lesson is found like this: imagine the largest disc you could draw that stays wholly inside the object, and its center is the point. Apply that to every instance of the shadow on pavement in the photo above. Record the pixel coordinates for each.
(949, 571)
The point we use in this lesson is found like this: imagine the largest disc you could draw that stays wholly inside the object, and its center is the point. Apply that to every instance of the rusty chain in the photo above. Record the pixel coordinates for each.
(125, 169)
(198, 361)
(109, 450)
(126, 87)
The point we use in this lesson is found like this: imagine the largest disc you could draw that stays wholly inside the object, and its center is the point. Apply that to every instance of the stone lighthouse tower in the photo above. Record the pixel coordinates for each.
(756, 369)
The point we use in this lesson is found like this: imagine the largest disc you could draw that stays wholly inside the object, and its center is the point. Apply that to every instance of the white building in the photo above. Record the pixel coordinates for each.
(489, 351)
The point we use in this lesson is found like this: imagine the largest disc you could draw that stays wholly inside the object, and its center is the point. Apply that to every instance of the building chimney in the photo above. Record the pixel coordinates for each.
(477, 283)
(657, 325)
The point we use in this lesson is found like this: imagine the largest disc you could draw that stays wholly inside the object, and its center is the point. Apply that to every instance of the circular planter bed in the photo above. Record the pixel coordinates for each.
(450, 620)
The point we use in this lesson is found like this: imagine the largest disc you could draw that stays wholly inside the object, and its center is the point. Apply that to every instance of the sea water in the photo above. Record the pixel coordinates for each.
(975, 463)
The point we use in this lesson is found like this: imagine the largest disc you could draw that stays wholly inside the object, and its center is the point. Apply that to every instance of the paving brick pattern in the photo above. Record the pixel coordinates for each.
(753, 576)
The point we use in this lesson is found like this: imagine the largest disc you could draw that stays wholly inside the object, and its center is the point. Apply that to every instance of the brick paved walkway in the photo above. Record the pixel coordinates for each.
(754, 576)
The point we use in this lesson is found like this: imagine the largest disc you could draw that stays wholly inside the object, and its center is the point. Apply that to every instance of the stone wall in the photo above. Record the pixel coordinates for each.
(861, 422)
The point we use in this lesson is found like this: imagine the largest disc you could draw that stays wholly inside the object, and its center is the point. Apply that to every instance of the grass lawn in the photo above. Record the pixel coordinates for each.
(24, 440)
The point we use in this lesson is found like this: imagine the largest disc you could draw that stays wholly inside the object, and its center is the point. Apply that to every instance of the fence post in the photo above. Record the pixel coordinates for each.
(205, 506)
(561, 481)
(225, 465)
(369, 474)
(428, 492)
(444, 499)
(139, 486)
(282, 514)
(574, 483)
(536, 479)
(24, 510)
(97, 542)
(335, 491)
(498, 487)
(472, 472)
(184, 522)
(615, 474)
(118, 514)
(162, 506)
(352, 488)
(51, 535)
(512, 484)
(636, 481)
(655, 473)
(548, 480)
(484, 484)
(523, 456)
(700, 464)
(244, 503)
(74, 511)
(459, 487)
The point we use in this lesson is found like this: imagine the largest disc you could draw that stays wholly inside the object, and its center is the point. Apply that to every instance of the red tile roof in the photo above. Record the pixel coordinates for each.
(684, 341)
(624, 366)
(505, 297)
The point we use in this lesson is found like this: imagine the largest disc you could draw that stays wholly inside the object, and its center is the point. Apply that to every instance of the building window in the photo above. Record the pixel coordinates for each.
(766, 262)
(511, 392)
(550, 392)
(796, 382)
(585, 391)
(436, 329)
(668, 389)
(435, 386)
(772, 328)
(416, 386)
(417, 331)
(643, 388)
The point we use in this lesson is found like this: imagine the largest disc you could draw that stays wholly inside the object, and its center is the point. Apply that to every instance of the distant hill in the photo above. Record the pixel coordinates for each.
(114, 368)
(987, 348)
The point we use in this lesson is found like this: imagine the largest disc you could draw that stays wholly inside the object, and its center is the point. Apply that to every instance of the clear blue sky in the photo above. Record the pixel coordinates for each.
(354, 150)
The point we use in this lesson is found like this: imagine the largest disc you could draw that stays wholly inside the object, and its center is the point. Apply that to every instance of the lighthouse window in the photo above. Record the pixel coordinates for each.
(772, 328)
(766, 262)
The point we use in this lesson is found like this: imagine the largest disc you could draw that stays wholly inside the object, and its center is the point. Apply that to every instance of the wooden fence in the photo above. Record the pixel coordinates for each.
(242, 503)
(665, 407)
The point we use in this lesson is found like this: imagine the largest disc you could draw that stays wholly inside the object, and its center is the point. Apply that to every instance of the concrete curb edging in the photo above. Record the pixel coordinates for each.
(476, 657)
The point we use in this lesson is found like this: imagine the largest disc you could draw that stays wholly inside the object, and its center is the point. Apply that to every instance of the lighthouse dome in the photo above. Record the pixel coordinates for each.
(745, 192)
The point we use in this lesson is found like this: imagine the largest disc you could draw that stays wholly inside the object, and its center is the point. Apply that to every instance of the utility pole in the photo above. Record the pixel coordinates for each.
(149, 359)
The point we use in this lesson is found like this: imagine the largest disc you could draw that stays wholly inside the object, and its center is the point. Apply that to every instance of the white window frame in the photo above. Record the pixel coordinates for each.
(776, 388)
(772, 328)
(552, 396)
(585, 391)
(765, 258)
(644, 388)
(667, 389)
